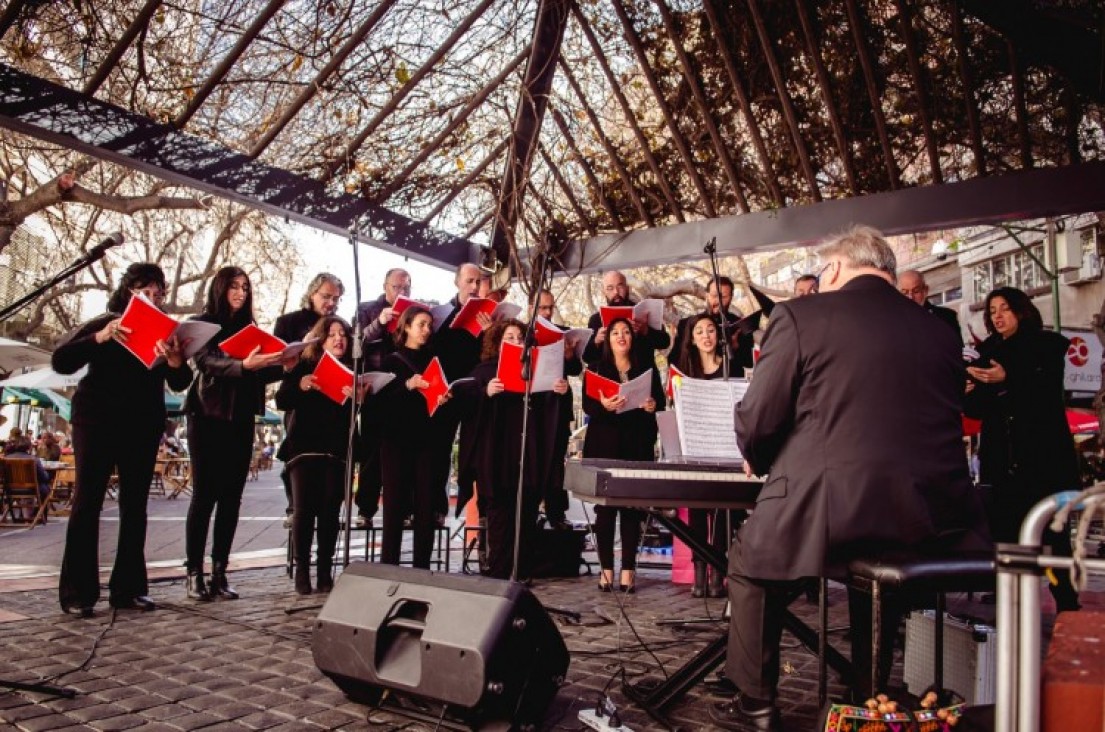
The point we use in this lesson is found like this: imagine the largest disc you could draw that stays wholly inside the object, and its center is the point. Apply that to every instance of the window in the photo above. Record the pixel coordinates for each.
(1016, 269)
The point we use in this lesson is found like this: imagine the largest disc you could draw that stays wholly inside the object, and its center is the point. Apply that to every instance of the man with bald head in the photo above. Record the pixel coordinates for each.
(616, 292)
(911, 283)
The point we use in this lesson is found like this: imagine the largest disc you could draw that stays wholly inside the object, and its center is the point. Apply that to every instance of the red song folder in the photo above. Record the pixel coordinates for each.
(402, 303)
(331, 376)
(599, 387)
(148, 325)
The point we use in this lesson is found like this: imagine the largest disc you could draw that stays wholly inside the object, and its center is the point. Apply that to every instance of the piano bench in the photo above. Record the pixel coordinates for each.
(917, 578)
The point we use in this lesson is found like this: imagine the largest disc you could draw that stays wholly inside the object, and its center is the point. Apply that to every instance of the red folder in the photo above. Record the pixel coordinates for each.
(331, 376)
(466, 318)
(438, 387)
(610, 313)
(147, 325)
(597, 387)
(673, 375)
(545, 332)
(510, 367)
(242, 343)
(402, 303)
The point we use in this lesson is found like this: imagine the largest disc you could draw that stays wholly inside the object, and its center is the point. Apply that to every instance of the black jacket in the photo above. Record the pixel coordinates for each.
(630, 435)
(854, 415)
(378, 342)
(118, 390)
(294, 326)
(408, 418)
(223, 389)
(946, 315)
(653, 340)
(458, 349)
(316, 424)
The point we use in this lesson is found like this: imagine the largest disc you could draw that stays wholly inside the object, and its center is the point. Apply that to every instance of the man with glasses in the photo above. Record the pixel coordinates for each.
(374, 318)
(615, 290)
(322, 298)
(912, 284)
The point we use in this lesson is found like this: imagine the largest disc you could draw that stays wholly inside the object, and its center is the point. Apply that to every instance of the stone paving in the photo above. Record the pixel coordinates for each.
(247, 664)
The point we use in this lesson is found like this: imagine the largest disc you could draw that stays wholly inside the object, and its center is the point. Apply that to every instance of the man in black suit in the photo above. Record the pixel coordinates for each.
(912, 284)
(739, 330)
(616, 292)
(854, 417)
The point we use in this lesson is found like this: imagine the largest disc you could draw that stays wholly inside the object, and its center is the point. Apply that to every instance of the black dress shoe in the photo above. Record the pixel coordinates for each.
(736, 714)
(81, 611)
(138, 602)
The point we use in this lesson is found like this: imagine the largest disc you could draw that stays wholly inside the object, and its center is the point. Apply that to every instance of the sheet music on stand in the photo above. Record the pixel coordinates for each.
(704, 416)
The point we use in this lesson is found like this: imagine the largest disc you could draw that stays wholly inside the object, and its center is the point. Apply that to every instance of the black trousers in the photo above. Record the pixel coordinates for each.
(220, 451)
(369, 476)
(712, 526)
(605, 519)
(756, 626)
(501, 515)
(445, 428)
(99, 449)
(410, 472)
(556, 498)
(318, 489)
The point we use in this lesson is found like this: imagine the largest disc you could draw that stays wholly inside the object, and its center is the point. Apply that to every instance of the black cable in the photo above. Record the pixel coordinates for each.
(88, 658)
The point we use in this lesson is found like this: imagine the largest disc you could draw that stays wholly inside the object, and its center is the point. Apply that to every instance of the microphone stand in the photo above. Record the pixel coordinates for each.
(354, 240)
(529, 342)
(94, 255)
(723, 325)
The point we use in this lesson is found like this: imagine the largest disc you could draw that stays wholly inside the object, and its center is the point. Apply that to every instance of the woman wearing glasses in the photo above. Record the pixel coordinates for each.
(118, 418)
(221, 405)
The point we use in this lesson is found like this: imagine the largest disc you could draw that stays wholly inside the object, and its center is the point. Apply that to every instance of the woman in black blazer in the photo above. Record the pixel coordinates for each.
(314, 451)
(1026, 451)
(221, 405)
(413, 443)
(118, 418)
(701, 358)
(630, 435)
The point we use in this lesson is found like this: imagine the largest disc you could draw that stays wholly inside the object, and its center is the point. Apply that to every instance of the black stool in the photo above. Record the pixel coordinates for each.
(911, 575)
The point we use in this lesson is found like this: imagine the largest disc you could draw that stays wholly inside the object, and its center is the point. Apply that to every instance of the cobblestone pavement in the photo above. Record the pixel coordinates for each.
(247, 664)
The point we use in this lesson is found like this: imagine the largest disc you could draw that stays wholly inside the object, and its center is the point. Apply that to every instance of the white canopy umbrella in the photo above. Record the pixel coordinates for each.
(46, 378)
(17, 355)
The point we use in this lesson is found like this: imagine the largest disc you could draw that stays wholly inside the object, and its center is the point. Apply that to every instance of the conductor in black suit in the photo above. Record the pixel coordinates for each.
(854, 417)
(912, 284)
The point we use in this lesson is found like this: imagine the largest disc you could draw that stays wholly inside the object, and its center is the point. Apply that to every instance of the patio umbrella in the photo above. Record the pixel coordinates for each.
(46, 377)
(41, 398)
(174, 404)
(270, 417)
(17, 354)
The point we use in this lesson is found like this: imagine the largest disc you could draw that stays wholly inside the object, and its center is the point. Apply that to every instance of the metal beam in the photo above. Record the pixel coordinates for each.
(99, 76)
(10, 15)
(467, 181)
(968, 90)
(916, 70)
(533, 99)
(566, 190)
(599, 191)
(1015, 196)
(859, 35)
(61, 116)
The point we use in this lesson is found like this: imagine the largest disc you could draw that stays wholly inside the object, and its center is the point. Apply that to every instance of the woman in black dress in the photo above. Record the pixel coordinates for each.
(314, 451)
(497, 452)
(118, 417)
(413, 443)
(221, 405)
(1026, 451)
(630, 435)
(701, 358)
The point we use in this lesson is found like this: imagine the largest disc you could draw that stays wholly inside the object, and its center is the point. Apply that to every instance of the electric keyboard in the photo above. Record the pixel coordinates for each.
(661, 485)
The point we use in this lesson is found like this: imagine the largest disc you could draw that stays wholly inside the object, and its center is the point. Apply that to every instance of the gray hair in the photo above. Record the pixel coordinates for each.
(860, 247)
(316, 284)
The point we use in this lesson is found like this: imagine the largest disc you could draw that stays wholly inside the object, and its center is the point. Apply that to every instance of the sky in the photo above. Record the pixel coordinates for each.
(325, 252)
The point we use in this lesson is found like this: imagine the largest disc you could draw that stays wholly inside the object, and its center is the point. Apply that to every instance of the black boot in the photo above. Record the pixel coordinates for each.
(699, 588)
(219, 586)
(303, 577)
(197, 587)
(717, 586)
(325, 578)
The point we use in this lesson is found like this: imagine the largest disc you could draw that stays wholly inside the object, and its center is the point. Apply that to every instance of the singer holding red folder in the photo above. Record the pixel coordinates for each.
(221, 405)
(413, 444)
(630, 435)
(118, 418)
(314, 451)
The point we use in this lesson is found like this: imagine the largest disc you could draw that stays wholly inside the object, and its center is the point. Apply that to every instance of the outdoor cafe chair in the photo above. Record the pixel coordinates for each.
(21, 492)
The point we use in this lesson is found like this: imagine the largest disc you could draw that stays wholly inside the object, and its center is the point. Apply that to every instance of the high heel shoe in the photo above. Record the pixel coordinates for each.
(606, 580)
(629, 587)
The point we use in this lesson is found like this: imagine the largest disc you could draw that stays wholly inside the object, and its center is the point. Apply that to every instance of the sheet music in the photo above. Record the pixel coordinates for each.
(636, 392)
(440, 313)
(704, 410)
(668, 425)
(651, 311)
(548, 367)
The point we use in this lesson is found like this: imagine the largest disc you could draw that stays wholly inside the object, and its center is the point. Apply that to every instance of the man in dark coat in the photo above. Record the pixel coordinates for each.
(616, 292)
(374, 318)
(854, 417)
(912, 284)
(738, 330)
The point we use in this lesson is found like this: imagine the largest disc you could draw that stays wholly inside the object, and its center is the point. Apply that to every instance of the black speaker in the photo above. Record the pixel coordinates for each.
(485, 648)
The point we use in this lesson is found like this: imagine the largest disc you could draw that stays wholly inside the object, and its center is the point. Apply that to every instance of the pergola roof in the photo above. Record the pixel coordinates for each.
(501, 121)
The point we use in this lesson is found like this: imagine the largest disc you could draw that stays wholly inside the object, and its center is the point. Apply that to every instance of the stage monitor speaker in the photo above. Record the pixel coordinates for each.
(485, 648)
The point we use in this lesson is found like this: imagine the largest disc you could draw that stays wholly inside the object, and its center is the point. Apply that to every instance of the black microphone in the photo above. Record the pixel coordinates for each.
(113, 240)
